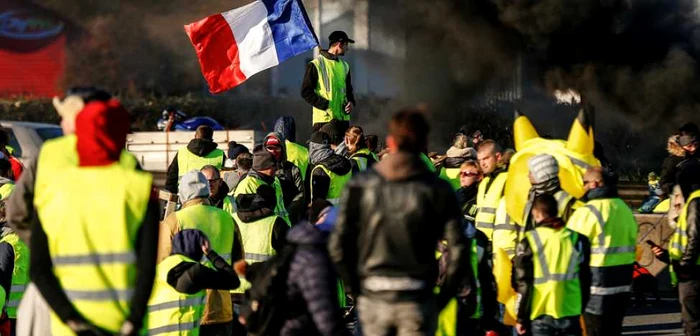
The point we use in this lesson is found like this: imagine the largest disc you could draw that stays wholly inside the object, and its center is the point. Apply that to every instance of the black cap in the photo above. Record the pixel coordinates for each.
(339, 36)
(262, 159)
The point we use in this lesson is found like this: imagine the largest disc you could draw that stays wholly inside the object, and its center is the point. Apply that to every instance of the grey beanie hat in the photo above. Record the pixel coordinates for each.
(193, 185)
(543, 167)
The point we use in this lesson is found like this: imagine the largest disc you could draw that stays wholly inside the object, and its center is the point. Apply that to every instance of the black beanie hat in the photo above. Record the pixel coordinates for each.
(262, 159)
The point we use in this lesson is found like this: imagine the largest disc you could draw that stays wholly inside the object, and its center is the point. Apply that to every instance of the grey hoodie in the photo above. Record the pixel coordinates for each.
(319, 153)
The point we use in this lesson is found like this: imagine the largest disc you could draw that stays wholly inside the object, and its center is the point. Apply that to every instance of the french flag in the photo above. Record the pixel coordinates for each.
(235, 45)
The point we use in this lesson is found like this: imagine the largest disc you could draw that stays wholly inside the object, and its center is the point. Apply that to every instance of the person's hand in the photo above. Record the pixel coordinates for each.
(658, 251)
(520, 329)
(128, 329)
(348, 107)
(205, 246)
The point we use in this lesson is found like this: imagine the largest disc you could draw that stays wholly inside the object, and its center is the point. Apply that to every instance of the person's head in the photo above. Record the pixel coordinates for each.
(213, 176)
(273, 144)
(101, 129)
(244, 161)
(489, 154)
(193, 185)
(354, 139)
(339, 43)
(594, 178)
(408, 132)
(189, 243)
(460, 141)
(5, 167)
(689, 127)
(477, 137)
(335, 134)
(543, 168)
(236, 149)
(653, 177)
(507, 155)
(372, 142)
(204, 132)
(689, 142)
(544, 207)
(469, 174)
(75, 100)
(263, 161)
(286, 126)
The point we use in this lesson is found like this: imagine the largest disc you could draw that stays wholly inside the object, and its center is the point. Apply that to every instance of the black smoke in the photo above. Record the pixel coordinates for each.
(638, 58)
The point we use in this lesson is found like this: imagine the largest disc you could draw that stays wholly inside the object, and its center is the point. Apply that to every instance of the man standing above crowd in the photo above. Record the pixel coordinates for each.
(389, 223)
(327, 85)
(201, 151)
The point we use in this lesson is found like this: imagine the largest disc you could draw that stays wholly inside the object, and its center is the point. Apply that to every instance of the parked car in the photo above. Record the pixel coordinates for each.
(27, 137)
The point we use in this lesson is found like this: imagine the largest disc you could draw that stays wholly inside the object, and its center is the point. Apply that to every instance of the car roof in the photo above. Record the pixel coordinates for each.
(27, 124)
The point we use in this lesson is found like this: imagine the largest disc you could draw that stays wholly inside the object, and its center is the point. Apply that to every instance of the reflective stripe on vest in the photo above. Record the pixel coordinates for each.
(602, 253)
(335, 189)
(332, 76)
(506, 233)
(95, 263)
(679, 240)
(256, 238)
(556, 259)
(170, 312)
(217, 224)
(20, 272)
(487, 201)
(188, 161)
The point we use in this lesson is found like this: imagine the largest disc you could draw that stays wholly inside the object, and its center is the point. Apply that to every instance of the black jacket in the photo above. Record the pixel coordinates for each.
(199, 147)
(310, 82)
(192, 277)
(466, 197)
(523, 273)
(320, 182)
(389, 220)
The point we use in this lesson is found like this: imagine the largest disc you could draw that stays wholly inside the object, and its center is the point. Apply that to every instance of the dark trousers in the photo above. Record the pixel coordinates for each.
(689, 297)
(237, 328)
(216, 329)
(342, 126)
(609, 323)
(549, 326)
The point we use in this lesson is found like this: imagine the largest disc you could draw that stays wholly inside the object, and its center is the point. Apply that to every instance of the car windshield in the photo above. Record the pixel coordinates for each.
(48, 133)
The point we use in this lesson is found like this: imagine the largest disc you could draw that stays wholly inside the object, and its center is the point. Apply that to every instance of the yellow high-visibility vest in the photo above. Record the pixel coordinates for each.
(188, 161)
(171, 313)
(94, 255)
(217, 224)
(257, 244)
(250, 185)
(487, 201)
(331, 86)
(557, 289)
(679, 241)
(20, 272)
(335, 189)
(298, 155)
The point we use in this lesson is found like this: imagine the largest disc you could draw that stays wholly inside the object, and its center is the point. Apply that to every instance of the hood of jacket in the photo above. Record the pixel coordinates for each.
(280, 139)
(201, 147)
(600, 193)
(286, 127)
(306, 234)
(400, 166)
(319, 152)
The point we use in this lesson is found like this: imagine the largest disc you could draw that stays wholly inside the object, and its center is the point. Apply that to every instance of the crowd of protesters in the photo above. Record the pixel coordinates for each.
(330, 237)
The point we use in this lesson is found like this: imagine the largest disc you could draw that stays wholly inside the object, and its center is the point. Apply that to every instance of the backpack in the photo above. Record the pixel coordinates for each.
(265, 307)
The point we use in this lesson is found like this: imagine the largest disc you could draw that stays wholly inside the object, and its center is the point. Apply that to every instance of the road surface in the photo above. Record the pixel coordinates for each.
(662, 318)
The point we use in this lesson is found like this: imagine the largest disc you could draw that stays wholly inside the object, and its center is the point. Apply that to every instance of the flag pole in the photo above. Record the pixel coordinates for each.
(317, 27)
